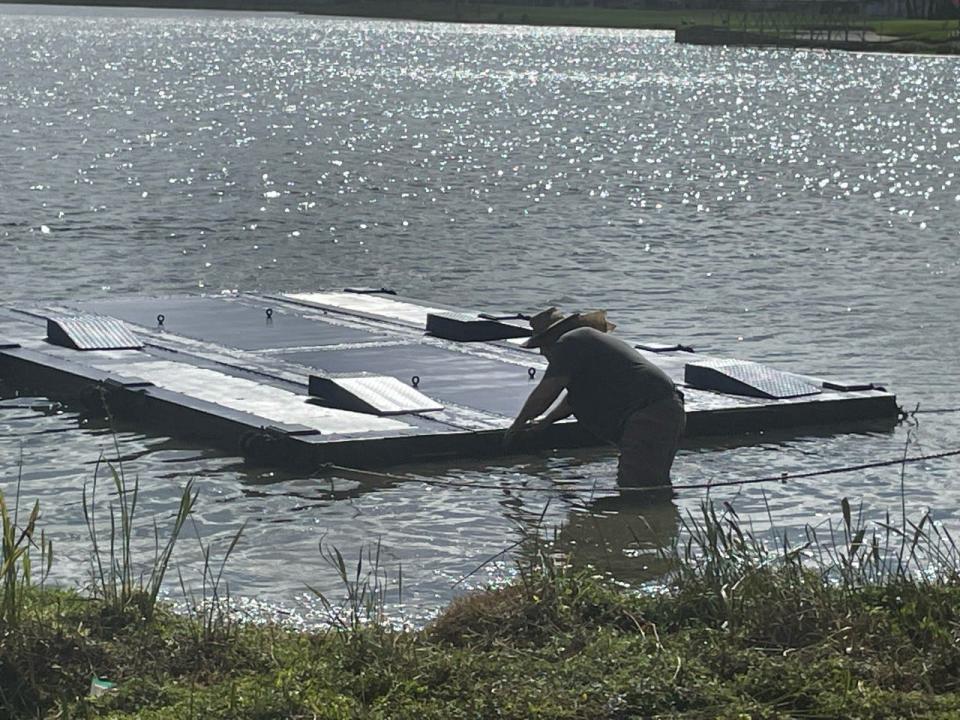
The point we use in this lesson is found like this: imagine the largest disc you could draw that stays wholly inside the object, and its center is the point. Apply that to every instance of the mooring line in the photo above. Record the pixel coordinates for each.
(781, 478)
(784, 477)
(425, 481)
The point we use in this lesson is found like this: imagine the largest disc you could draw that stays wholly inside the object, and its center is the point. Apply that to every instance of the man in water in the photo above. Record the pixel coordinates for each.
(612, 389)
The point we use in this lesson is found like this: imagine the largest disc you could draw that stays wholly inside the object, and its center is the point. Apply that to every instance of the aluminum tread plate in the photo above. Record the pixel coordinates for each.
(741, 377)
(231, 323)
(377, 394)
(91, 332)
(248, 396)
(460, 317)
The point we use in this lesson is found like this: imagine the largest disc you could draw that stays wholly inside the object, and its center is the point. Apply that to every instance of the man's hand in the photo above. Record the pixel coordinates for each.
(527, 428)
(539, 401)
(510, 436)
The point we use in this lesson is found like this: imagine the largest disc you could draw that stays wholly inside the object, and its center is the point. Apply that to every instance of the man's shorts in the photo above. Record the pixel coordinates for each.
(649, 443)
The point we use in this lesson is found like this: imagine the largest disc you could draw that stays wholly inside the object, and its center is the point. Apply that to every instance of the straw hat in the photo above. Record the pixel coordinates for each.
(551, 324)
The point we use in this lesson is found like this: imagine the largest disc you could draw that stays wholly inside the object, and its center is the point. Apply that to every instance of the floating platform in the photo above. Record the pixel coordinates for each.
(361, 378)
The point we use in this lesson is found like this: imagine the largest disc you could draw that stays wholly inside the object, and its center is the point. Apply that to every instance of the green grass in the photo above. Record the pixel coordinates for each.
(924, 30)
(563, 645)
(851, 620)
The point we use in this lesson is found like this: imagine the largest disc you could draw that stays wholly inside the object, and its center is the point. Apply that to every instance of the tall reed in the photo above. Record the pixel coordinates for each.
(365, 588)
(793, 590)
(16, 566)
(210, 608)
(115, 569)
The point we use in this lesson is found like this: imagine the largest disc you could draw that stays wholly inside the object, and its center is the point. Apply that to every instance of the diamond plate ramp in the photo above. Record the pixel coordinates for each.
(91, 332)
(371, 394)
(464, 327)
(741, 377)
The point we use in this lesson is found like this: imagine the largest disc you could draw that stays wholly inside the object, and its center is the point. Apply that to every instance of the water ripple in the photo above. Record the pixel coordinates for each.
(796, 207)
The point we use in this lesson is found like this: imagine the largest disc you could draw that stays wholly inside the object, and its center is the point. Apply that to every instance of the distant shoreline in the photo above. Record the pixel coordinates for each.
(423, 10)
(831, 39)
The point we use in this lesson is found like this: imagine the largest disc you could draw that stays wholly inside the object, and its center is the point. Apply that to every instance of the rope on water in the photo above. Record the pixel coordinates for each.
(425, 481)
(781, 478)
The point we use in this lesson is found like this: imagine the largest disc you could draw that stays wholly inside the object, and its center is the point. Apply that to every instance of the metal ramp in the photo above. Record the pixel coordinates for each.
(91, 332)
(740, 377)
(371, 394)
(464, 327)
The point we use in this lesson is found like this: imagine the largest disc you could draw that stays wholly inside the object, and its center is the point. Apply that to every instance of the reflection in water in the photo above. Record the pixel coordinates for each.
(441, 524)
(627, 536)
(796, 209)
(773, 438)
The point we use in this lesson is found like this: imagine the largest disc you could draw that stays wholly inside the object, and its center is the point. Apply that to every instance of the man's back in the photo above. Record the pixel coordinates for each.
(607, 379)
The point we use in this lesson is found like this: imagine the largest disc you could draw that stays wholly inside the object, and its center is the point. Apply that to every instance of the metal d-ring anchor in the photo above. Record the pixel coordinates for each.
(160, 319)
(269, 314)
(532, 372)
(415, 380)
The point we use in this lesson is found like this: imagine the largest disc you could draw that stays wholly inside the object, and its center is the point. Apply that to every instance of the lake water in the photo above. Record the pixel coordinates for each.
(796, 208)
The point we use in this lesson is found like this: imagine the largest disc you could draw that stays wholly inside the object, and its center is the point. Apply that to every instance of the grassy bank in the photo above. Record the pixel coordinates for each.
(558, 645)
(863, 622)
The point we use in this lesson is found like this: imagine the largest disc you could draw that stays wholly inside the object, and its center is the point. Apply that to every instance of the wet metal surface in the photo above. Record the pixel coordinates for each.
(265, 401)
(435, 390)
(230, 322)
(448, 375)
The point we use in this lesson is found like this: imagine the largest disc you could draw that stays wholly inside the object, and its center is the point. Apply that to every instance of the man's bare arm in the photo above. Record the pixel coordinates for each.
(560, 411)
(540, 400)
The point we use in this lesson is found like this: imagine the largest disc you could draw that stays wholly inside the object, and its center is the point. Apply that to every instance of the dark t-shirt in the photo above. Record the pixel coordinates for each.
(607, 379)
